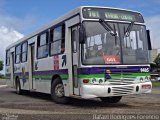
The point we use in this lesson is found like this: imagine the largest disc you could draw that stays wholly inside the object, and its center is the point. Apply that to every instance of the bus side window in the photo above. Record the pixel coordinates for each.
(63, 39)
(24, 51)
(7, 58)
(57, 40)
(18, 54)
(42, 46)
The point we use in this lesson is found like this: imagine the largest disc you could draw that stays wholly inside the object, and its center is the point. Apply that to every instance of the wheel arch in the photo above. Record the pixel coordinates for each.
(63, 99)
(54, 77)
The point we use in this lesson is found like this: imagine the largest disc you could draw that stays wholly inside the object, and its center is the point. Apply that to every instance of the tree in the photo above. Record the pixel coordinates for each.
(157, 60)
(1, 65)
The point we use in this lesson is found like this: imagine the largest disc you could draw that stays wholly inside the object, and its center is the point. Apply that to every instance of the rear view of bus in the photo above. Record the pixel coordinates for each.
(115, 55)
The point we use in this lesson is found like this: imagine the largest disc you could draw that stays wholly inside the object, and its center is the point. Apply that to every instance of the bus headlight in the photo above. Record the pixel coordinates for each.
(100, 81)
(93, 80)
(141, 79)
(147, 78)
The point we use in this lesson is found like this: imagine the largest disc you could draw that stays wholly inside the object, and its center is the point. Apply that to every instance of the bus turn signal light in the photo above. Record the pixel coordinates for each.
(85, 81)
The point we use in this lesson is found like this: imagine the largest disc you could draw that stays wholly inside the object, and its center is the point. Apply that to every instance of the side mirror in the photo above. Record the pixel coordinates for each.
(82, 34)
(149, 40)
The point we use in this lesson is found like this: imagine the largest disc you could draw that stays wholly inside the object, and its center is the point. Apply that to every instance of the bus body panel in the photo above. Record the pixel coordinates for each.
(120, 80)
(72, 58)
(94, 91)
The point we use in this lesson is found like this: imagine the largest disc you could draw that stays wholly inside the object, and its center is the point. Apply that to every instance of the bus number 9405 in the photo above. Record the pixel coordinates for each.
(144, 69)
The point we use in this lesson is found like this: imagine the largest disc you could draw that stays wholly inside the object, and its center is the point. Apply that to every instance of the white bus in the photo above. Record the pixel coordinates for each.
(90, 52)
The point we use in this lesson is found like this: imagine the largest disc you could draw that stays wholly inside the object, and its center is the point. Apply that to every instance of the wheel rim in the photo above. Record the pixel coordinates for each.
(59, 90)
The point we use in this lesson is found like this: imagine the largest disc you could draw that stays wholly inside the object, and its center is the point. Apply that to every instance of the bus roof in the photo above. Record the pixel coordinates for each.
(58, 20)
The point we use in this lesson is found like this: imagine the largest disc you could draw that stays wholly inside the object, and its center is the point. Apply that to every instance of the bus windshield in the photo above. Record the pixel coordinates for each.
(125, 47)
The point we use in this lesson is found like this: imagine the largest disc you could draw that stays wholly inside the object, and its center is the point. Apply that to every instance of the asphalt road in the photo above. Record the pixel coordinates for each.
(38, 106)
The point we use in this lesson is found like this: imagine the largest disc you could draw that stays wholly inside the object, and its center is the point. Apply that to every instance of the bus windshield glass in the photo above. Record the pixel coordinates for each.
(101, 47)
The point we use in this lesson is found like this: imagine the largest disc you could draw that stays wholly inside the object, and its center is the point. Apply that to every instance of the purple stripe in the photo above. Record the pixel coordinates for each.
(21, 74)
(102, 70)
(44, 73)
(50, 72)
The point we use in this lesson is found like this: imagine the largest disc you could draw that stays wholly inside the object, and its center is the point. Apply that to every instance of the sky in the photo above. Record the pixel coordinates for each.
(21, 17)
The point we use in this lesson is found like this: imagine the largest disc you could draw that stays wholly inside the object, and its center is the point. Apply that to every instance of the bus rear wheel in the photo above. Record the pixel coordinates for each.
(18, 87)
(115, 99)
(57, 92)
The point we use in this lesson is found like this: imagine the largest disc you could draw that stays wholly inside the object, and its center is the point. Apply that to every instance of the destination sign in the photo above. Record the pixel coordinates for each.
(111, 14)
(118, 16)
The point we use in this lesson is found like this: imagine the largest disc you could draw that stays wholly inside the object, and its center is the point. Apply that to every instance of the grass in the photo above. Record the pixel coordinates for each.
(156, 84)
(2, 77)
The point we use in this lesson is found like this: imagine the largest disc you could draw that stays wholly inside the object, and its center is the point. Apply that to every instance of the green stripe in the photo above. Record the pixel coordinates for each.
(137, 74)
(132, 75)
(20, 77)
(42, 77)
(92, 76)
(64, 77)
(116, 75)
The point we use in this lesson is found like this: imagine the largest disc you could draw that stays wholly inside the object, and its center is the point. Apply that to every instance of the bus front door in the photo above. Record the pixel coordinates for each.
(31, 66)
(73, 54)
(12, 69)
(75, 60)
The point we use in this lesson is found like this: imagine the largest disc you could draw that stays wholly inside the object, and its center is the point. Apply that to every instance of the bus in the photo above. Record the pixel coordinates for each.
(90, 52)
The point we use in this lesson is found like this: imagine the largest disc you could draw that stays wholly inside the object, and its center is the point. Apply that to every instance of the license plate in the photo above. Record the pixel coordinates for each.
(146, 86)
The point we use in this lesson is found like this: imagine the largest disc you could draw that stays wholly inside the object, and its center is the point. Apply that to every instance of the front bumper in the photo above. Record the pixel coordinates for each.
(93, 91)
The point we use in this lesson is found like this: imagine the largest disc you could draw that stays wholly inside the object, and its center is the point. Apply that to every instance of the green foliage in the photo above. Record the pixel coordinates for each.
(2, 77)
(1, 65)
(157, 60)
(156, 84)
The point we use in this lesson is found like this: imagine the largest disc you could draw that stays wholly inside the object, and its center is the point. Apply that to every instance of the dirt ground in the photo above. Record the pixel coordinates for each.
(38, 106)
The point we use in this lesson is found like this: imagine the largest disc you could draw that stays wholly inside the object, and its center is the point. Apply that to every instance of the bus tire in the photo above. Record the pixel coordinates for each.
(18, 87)
(57, 92)
(115, 99)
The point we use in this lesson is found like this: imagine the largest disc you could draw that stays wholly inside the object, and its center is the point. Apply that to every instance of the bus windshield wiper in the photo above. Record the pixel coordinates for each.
(129, 28)
(107, 27)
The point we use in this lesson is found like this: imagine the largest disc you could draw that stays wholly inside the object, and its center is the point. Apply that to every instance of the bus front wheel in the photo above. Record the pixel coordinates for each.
(115, 99)
(57, 92)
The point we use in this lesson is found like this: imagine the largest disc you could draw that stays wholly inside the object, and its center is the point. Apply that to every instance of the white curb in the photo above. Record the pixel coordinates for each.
(2, 86)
